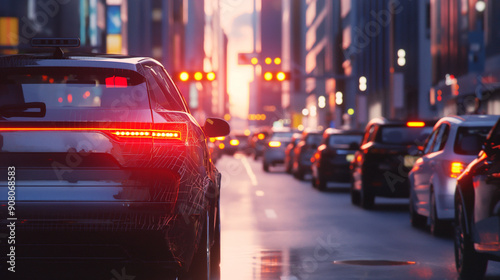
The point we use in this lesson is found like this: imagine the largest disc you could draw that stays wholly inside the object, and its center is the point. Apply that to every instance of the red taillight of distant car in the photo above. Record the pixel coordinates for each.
(415, 124)
(274, 144)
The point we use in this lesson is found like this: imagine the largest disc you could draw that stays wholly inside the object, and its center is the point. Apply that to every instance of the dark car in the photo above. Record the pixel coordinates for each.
(386, 155)
(477, 207)
(227, 145)
(289, 152)
(303, 152)
(331, 161)
(258, 142)
(274, 153)
(243, 143)
(103, 154)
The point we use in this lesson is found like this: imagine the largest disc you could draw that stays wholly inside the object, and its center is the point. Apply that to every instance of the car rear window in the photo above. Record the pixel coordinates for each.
(339, 139)
(314, 139)
(74, 88)
(403, 135)
(469, 140)
(282, 136)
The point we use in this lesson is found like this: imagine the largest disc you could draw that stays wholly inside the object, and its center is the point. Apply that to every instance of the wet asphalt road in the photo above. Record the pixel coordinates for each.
(276, 227)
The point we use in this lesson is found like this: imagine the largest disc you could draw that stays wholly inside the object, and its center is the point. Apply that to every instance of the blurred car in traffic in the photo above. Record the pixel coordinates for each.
(107, 155)
(289, 151)
(258, 142)
(243, 143)
(227, 145)
(452, 145)
(274, 153)
(477, 208)
(303, 152)
(380, 167)
(331, 161)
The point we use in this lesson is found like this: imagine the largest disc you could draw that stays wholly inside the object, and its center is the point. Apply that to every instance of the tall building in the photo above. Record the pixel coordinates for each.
(465, 56)
(270, 93)
(293, 62)
(386, 69)
(184, 35)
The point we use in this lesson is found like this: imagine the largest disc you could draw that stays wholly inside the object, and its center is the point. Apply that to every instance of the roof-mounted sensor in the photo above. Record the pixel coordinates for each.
(58, 43)
(55, 42)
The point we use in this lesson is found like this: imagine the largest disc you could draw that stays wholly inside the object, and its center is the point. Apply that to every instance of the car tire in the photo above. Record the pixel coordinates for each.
(469, 264)
(288, 168)
(354, 194)
(437, 226)
(366, 199)
(321, 183)
(201, 264)
(416, 220)
(299, 175)
(215, 253)
(265, 166)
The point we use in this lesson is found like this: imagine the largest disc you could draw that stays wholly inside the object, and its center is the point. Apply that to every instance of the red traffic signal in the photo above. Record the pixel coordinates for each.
(195, 76)
(279, 76)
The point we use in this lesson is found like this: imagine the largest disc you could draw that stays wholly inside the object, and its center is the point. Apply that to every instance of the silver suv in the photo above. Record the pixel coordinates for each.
(454, 142)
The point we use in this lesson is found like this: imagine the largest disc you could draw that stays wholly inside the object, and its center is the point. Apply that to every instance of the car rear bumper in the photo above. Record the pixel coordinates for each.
(274, 156)
(336, 173)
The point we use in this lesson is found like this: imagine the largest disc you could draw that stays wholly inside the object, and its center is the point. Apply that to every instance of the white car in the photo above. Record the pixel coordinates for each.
(454, 142)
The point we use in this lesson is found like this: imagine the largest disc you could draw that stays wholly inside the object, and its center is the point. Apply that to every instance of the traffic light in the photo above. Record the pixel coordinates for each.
(198, 76)
(279, 76)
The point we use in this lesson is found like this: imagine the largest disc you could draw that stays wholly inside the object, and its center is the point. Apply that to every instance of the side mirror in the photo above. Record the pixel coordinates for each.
(215, 127)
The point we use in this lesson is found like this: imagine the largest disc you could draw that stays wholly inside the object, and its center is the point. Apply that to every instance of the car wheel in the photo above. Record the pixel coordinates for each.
(265, 166)
(215, 255)
(367, 200)
(354, 194)
(469, 264)
(288, 168)
(416, 219)
(200, 266)
(320, 183)
(437, 227)
(299, 175)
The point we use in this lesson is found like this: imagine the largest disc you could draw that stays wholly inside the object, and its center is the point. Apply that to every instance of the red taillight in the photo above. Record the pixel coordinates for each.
(155, 134)
(168, 131)
(456, 168)
(415, 124)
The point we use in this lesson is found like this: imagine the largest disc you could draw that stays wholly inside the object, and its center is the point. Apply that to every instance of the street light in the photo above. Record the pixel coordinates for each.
(339, 98)
(480, 6)
(362, 83)
(401, 57)
(305, 112)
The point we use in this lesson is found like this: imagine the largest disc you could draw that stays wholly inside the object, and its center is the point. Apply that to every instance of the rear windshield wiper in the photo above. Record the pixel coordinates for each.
(24, 110)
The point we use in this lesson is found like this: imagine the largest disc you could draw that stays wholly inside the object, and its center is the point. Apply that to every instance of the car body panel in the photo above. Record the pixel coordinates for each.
(432, 170)
(75, 173)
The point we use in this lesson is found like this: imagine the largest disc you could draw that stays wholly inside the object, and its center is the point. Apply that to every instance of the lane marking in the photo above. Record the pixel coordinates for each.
(252, 176)
(270, 214)
(259, 193)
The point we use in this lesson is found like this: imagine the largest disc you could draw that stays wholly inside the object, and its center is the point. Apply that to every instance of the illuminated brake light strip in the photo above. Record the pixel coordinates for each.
(139, 133)
(415, 124)
(157, 134)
